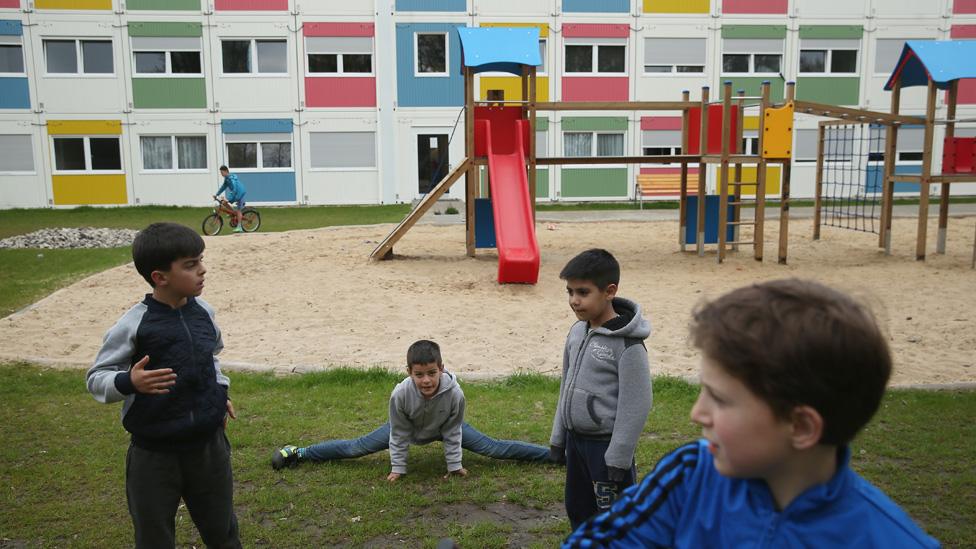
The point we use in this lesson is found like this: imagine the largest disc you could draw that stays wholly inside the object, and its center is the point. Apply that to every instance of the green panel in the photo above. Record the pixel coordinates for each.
(169, 93)
(594, 123)
(541, 183)
(168, 5)
(834, 90)
(167, 30)
(541, 123)
(585, 182)
(753, 86)
(831, 31)
(753, 31)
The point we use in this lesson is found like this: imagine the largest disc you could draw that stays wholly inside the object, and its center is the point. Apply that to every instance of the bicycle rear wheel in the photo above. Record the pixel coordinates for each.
(212, 224)
(250, 220)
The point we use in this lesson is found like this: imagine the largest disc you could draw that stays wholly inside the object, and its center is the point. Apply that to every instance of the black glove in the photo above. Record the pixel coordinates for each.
(557, 454)
(616, 474)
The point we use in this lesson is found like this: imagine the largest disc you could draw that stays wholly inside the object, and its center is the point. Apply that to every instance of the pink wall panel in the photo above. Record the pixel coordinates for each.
(967, 88)
(667, 171)
(590, 30)
(9, 3)
(964, 6)
(251, 5)
(754, 6)
(340, 91)
(962, 31)
(338, 29)
(660, 123)
(595, 88)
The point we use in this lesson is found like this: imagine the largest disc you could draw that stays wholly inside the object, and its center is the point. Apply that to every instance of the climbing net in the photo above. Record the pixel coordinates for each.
(852, 176)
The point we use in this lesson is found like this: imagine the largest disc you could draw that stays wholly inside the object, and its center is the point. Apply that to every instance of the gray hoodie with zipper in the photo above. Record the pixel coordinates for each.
(416, 420)
(606, 385)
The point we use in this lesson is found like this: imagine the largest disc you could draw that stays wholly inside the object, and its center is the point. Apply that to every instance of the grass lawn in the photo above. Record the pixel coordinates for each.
(63, 457)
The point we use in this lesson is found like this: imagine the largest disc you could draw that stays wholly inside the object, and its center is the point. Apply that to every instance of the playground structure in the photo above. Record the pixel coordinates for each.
(498, 134)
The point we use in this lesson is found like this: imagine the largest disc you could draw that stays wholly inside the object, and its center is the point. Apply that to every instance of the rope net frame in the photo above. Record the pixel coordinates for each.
(852, 176)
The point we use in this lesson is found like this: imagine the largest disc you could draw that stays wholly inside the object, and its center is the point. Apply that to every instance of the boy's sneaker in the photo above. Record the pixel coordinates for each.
(238, 229)
(287, 456)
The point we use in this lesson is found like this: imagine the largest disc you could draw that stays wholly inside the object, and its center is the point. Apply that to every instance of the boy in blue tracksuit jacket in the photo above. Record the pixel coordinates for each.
(791, 371)
(160, 360)
(235, 194)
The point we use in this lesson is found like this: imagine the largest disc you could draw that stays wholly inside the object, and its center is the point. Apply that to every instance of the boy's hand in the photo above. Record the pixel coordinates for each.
(617, 474)
(557, 454)
(393, 477)
(151, 382)
(230, 413)
(462, 472)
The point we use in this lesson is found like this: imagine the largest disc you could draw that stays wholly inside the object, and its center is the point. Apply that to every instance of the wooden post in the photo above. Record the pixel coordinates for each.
(817, 200)
(888, 186)
(470, 177)
(723, 190)
(702, 173)
(531, 144)
(683, 199)
(923, 199)
(784, 205)
(737, 174)
(757, 240)
(950, 132)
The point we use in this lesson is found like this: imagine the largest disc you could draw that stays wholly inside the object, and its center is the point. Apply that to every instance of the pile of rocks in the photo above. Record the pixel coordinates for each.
(82, 237)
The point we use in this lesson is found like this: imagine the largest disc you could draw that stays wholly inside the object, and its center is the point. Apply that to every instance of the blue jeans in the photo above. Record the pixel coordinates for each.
(379, 440)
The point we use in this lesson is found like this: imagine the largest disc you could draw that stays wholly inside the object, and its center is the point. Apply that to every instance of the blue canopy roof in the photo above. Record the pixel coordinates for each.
(941, 60)
(500, 49)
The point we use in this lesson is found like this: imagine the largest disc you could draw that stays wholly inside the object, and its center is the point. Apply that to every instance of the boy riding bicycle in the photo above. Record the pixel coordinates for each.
(235, 192)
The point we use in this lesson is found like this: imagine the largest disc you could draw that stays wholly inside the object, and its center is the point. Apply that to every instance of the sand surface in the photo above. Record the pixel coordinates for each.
(310, 299)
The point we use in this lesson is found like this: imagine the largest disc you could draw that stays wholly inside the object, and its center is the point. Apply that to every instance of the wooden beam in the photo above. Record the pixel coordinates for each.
(959, 178)
(950, 132)
(887, 186)
(471, 174)
(817, 197)
(923, 199)
(702, 175)
(759, 229)
(723, 188)
(683, 197)
(737, 175)
(613, 106)
(905, 178)
(853, 115)
(532, 125)
(784, 203)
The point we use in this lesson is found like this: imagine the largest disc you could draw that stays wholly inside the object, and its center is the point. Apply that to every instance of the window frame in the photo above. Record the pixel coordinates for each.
(674, 66)
(416, 55)
(79, 57)
(88, 159)
(252, 53)
(23, 58)
(594, 44)
(594, 141)
(339, 62)
(827, 62)
(175, 167)
(168, 73)
(259, 167)
(752, 60)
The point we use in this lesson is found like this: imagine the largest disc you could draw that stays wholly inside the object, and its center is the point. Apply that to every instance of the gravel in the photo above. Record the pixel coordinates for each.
(81, 237)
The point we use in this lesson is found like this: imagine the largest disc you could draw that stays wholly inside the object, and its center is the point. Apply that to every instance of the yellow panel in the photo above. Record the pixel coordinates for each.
(749, 176)
(543, 27)
(750, 122)
(84, 127)
(512, 85)
(778, 132)
(676, 6)
(73, 4)
(89, 189)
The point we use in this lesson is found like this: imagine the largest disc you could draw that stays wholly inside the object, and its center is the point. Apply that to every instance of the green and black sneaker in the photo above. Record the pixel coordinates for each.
(287, 456)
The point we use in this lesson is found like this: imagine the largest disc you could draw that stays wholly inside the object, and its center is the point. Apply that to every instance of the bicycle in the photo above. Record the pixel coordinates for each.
(213, 223)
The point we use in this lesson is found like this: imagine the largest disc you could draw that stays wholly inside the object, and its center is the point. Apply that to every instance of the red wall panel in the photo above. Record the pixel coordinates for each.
(754, 6)
(251, 5)
(595, 88)
(339, 91)
(338, 29)
(593, 30)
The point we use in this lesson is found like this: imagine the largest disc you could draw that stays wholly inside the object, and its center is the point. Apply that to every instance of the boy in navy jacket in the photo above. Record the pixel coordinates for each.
(160, 359)
(790, 372)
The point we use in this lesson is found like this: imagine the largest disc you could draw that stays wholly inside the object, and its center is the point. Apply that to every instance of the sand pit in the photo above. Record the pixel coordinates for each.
(310, 299)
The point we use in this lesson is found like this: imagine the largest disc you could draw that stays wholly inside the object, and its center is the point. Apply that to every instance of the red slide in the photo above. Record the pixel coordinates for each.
(503, 137)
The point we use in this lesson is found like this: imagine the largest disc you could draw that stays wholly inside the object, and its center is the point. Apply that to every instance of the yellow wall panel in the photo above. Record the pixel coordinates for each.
(72, 190)
(543, 27)
(749, 176)
(676, 6)
(73, 4)
(750, 123)
(512, 85)
(84, 127)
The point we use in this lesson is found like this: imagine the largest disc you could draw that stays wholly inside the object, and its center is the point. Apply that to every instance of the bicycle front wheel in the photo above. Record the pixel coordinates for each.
(250, 220)
(212, 224)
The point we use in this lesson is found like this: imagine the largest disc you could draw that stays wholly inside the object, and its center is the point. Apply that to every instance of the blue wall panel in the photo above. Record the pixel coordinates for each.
(269, 186)
(596, 6)
(874, 175)
(431, 5)
(10, 27)
(257, 125)
(428, 91)
(14, 93)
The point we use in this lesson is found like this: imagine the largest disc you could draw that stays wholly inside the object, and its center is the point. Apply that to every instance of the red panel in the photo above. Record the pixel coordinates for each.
(251, 5)
(714, 130)
(667, 171)
(964, 6)
(340, 91)
(338, 29)
(754, 6)
(595, 30)
(595, 88)
(9, 3)
(958, 155)
(661, 123)
(967, 92)
(962, 31)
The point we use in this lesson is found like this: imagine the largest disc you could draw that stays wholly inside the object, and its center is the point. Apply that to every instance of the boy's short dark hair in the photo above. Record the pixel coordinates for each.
(156, 247)
(596, 265)
(796, 342)
(423, 351)
(223, 169)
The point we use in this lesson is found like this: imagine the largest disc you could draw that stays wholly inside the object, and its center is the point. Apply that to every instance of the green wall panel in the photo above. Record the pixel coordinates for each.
(833, 90)
(541, 123)
(753, 31)
(168, 5)
(753, 86)
(596, 182)
(169, 93)
(594, 123)
(831, 31)
(166, 30)
(541, 182)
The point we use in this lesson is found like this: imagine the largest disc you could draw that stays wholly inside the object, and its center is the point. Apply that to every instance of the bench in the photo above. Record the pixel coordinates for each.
(660, 185)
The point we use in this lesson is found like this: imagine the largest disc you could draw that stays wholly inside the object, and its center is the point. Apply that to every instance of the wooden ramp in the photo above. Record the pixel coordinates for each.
(385, 248)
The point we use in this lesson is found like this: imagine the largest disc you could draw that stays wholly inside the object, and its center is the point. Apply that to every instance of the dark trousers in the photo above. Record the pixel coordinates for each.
(156, 481)
(589, 489)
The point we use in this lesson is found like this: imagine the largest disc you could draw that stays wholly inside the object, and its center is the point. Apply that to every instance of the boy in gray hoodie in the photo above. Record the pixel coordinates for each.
(605, 392)
(427, 406)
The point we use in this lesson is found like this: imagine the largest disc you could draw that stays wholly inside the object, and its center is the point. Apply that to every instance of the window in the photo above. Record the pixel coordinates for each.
(604, 58)
(169, 152)
(11, 56)
(541, 144)
(254, 56)
(259, 151)
(79, 56)
(16, 154)
(661, 142)
(750, 144)
(543, 44)
(350, 150)
(339, 55)
(166, 56)
(87, 154)
(888, 52)
(828, 56)
(759, 56)
(674, 56)
(430, 54)
(593, 144)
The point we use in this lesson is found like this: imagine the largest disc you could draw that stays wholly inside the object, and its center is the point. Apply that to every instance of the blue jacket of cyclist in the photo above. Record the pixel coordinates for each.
(235, 189)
